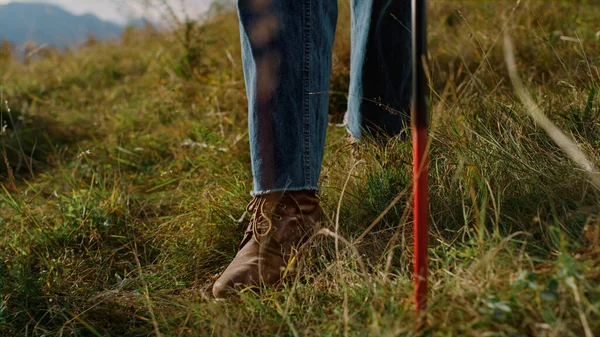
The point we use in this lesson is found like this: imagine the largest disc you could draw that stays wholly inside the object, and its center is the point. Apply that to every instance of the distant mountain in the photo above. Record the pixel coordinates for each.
(50, 24)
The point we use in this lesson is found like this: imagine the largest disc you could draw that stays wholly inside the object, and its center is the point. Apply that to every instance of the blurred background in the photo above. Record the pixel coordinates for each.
(31, 25)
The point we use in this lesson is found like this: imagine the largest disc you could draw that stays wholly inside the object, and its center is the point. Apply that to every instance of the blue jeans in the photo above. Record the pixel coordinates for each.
(286, 52)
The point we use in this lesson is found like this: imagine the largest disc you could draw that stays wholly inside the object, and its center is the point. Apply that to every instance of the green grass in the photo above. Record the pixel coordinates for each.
(125, 167)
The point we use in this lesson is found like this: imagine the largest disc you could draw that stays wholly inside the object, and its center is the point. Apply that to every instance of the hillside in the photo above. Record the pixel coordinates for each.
(49, 24)
(125, 172)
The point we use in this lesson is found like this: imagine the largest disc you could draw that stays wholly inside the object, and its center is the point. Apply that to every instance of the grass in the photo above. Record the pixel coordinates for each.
(126, 170)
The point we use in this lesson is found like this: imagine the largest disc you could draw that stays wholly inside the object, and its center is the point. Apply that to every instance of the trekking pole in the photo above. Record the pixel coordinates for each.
(419, 124)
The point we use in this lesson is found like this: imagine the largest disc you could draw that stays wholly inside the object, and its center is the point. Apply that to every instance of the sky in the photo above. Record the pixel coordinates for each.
(121, 10)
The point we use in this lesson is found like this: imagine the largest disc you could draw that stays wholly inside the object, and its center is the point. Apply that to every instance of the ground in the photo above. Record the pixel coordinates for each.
(125, 173)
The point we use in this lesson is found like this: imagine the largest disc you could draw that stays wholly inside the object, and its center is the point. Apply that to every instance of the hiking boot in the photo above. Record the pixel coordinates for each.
(280, 223)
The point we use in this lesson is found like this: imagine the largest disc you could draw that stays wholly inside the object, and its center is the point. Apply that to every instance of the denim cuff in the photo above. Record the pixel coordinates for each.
(287, 189)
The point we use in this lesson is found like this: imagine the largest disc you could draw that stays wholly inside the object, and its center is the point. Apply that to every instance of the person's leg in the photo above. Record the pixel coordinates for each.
(286, 50)
(380, 80)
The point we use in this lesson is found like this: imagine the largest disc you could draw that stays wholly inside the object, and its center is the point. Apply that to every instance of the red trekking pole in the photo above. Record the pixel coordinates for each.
(419, 124)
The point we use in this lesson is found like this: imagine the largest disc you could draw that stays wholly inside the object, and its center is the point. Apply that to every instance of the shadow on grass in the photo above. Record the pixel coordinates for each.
(31, 144)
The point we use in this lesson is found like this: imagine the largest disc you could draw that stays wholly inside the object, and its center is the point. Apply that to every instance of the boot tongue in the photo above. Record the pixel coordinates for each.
(269, 210)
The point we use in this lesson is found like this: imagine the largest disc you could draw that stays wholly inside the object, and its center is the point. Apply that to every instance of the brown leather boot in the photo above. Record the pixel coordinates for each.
(280, 223)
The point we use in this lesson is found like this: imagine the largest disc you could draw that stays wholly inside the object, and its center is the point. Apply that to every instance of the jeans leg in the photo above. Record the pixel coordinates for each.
(380, 80)
(286, 52)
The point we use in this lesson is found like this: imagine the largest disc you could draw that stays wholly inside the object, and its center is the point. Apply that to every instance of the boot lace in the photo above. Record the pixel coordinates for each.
(263, 213)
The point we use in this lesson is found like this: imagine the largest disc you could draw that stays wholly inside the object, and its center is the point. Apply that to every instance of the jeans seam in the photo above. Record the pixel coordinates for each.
(306, 91)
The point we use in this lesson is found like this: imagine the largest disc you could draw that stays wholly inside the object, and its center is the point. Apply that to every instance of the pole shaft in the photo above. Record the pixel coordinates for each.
(421, 215)
(420, 122)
